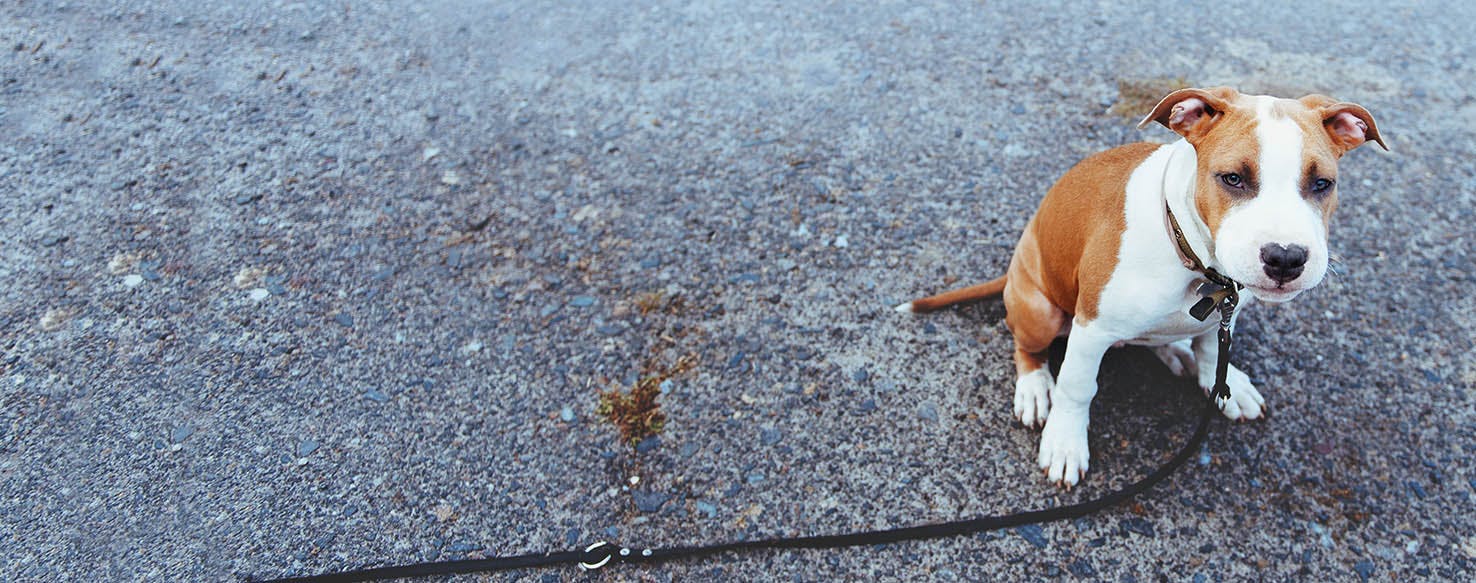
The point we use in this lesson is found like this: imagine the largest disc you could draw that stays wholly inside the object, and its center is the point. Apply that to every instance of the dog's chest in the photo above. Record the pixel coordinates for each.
(1146, 301)
(1173, 327)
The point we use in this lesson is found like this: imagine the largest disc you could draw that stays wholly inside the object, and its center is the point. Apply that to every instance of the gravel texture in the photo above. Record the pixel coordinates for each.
(299, 287)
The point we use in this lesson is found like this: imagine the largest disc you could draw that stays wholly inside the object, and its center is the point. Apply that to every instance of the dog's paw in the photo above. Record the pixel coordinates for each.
(1033, 397)
(1178, 357)
(1246, 403)
(1064, 456)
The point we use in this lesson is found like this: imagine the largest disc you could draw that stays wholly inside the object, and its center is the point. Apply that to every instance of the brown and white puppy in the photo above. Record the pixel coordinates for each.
(1252, 183)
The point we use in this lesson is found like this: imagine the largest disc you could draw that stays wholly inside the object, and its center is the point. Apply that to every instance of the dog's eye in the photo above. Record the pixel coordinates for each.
(1321, 185)
(1232, 180)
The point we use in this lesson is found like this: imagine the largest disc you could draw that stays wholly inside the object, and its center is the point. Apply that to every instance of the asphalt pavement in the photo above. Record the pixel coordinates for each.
(296, 287)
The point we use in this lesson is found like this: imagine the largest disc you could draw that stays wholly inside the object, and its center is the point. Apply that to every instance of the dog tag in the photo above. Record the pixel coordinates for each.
(1201, 309)
(1209, 289)
(1211, 294)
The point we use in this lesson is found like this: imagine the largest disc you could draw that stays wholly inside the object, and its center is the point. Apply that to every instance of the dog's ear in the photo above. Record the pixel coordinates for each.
(1348, 124)
(1191, 112)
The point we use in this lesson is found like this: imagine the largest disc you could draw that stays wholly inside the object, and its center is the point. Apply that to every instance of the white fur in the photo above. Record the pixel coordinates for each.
(1278, 213)
(1064, 454)
(1033, 397)
(1178, 357)
(1144, 301)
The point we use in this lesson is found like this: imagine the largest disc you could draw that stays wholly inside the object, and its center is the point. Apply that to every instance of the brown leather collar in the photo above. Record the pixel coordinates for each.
(1187, 256)
(1219, 287)
(1181, 244)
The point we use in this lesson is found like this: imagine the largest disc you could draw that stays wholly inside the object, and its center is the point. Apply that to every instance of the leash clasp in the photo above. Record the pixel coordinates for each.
(1221, 395)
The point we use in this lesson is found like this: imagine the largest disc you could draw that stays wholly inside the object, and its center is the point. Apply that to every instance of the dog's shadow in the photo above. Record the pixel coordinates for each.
(1131, 377)
(1140, 406)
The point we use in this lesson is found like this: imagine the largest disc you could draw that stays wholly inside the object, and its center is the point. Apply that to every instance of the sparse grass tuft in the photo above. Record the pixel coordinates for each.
(657, 301)
(1136, 97)
(637, 413)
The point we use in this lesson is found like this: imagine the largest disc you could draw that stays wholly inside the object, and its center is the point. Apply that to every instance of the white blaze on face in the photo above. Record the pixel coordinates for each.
(1277, 214)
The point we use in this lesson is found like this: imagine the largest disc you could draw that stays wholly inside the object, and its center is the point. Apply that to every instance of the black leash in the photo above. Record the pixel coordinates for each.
(603, 554)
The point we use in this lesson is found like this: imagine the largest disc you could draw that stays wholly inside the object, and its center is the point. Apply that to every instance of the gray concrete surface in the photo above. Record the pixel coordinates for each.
(296, 287)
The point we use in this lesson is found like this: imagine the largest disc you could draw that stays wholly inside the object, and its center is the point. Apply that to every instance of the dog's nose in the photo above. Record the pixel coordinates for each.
(1283, 263)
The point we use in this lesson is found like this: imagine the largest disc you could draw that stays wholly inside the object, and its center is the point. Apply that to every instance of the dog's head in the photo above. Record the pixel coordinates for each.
(1268, 179)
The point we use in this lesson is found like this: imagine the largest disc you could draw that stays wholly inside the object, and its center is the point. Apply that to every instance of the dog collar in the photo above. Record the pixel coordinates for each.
(1219, 292)
(1212, 292)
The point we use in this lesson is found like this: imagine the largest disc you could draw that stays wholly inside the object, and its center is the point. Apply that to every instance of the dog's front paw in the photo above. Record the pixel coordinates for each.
(1178, 357)
(1063, 448)
(1246, 403)
(1033, 397)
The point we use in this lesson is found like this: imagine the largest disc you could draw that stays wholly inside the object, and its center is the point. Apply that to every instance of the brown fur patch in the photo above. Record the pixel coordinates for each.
(1033, 318)
(959, 296)
(1319, 152)
(1229, 146)
(1079, 229)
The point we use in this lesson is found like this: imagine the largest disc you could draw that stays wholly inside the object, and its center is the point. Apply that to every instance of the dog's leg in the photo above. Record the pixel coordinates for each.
(1035, 323)
(1063, 444)
(1178, 357)
(1246, 403)
(1033, 385)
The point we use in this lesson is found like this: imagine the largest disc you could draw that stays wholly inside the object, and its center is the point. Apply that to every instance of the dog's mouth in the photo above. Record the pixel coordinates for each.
(1276, 294)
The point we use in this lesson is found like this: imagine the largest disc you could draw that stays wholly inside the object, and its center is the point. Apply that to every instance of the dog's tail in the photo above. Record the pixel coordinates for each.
(972, 293)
